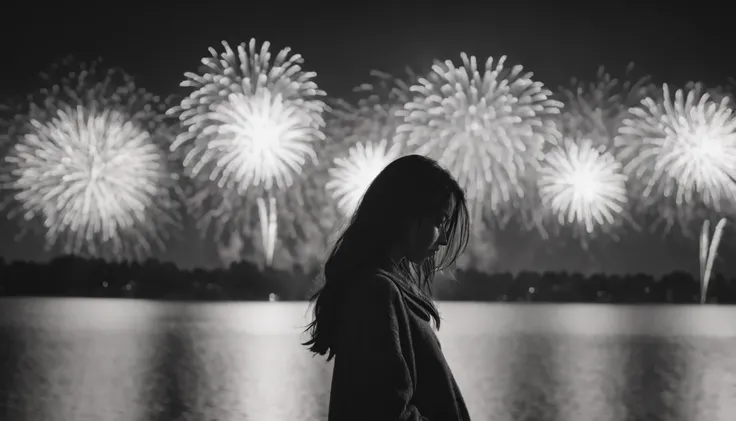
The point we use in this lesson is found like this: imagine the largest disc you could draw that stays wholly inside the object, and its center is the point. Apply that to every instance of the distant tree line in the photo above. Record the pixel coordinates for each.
(70, 276)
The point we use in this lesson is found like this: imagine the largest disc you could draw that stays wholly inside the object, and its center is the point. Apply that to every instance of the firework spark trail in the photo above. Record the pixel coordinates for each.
(251, 123)
(681, 148)
(583, 185)
(488, 126)
(352, 174)
(86, 159)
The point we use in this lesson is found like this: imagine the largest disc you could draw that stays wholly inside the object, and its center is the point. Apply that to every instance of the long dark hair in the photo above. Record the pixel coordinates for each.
(409, 188)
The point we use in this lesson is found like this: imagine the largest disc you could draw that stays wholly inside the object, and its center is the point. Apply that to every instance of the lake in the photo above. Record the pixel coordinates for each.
(131, 360)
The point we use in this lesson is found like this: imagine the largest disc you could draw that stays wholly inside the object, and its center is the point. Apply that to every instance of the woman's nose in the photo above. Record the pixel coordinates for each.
(443, 238)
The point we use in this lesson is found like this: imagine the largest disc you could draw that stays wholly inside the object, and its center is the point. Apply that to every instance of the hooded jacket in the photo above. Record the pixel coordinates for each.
(389, 364)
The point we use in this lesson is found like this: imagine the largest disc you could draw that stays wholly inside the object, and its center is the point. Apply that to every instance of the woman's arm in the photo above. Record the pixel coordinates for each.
(374, 369)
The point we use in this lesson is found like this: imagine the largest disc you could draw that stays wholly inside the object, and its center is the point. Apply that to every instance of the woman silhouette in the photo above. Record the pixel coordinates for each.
(373, 313)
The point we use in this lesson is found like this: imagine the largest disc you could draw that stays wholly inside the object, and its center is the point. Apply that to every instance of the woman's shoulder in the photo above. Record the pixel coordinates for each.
(379, 283)
(374, 289)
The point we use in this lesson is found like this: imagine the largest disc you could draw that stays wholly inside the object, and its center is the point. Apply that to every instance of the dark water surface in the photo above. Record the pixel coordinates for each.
(97, 359)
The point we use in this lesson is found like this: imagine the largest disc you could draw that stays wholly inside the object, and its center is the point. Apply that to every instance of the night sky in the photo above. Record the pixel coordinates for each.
(342, 44)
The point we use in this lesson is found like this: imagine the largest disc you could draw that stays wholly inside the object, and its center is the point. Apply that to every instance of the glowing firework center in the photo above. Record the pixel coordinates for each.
(260, 141)
(582, 184)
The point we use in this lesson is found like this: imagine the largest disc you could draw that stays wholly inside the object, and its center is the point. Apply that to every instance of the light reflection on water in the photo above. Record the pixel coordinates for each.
(94, 359)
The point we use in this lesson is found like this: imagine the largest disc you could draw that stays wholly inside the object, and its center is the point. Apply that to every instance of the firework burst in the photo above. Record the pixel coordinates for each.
(682, 150)
(595, 110)
(488, 126)
(361, 137)
(89, 160)
(375, 116)
(250, 127)
(373, 119)
(583, 185)
(352, 174)
(259, 141)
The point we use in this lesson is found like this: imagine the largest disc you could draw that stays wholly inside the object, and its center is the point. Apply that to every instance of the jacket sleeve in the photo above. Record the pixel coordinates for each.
(376, 370)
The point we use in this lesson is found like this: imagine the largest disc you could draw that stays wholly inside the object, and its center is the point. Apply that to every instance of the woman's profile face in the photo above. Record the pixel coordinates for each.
(428, 234)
